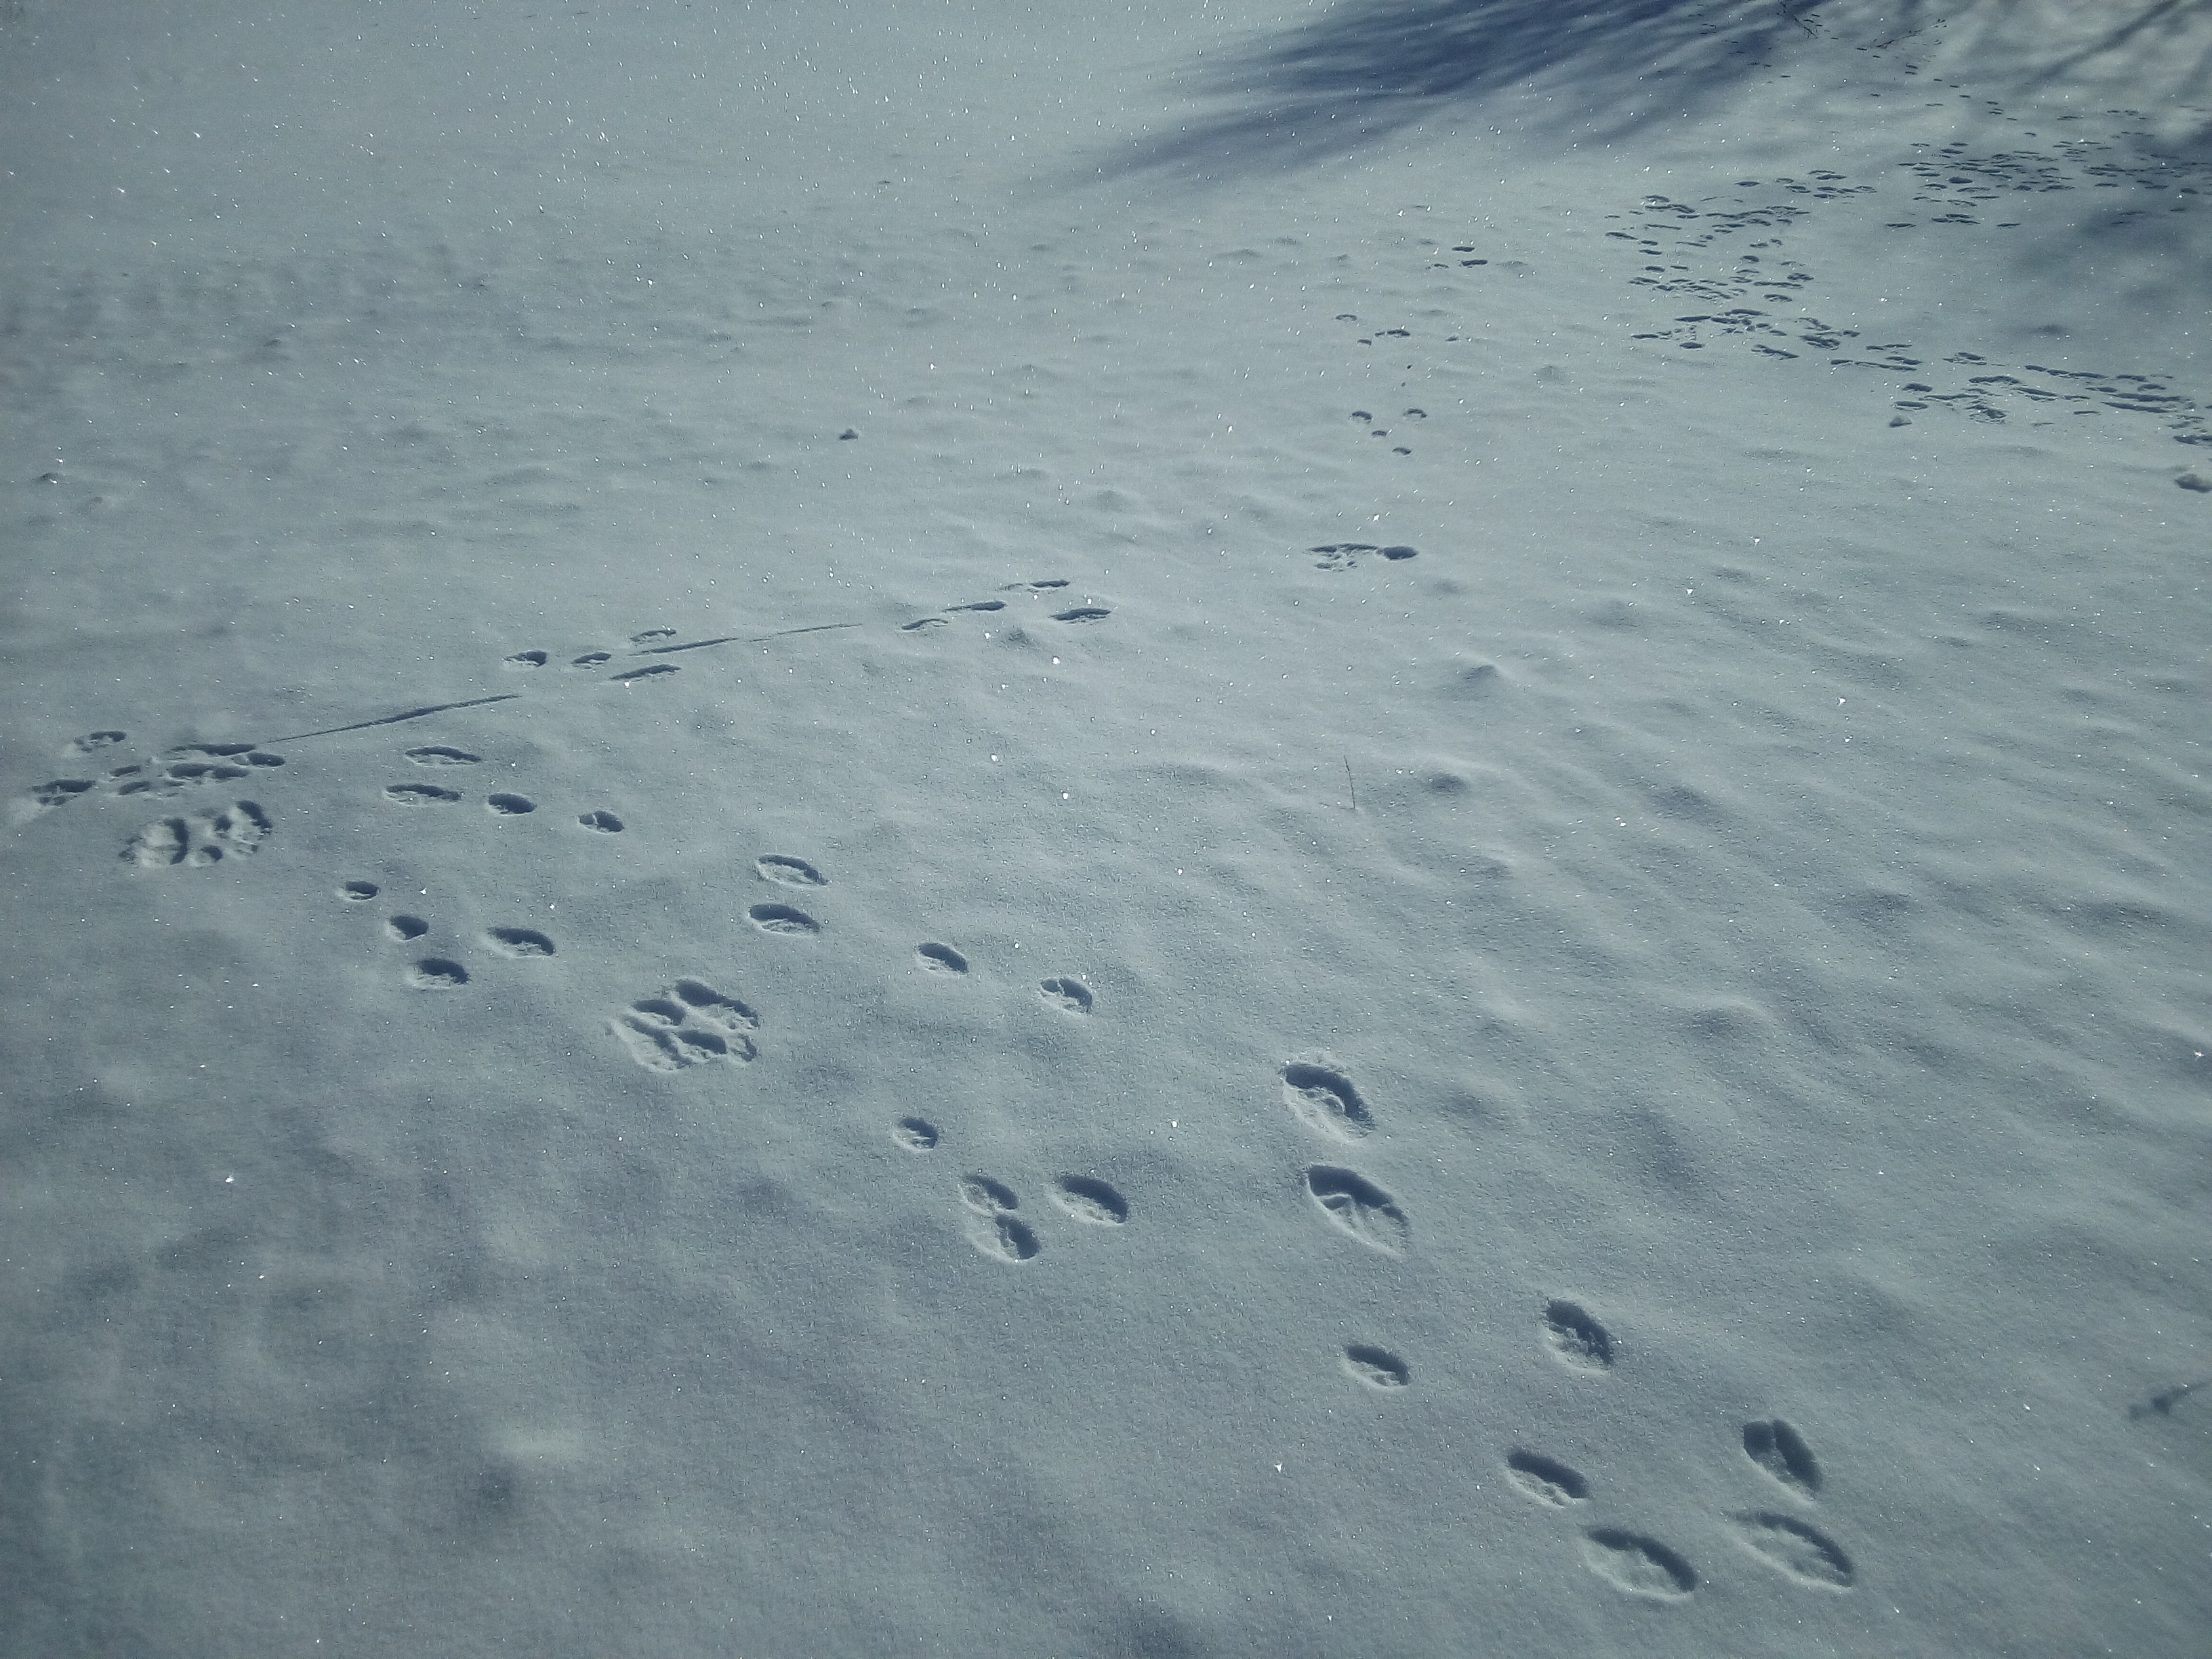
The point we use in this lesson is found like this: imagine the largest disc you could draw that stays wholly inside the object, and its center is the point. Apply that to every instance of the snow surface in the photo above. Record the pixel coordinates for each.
(946, 828)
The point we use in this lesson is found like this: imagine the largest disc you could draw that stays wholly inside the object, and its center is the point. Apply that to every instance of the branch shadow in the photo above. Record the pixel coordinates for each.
(1368, 70)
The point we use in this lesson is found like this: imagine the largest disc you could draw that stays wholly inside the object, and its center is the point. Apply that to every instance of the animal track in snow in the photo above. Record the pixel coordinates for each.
(1360, 1207)
(916, 1134)
(1546, 1480)
(992, 1226)
(202, 764)
(509, 806)
(237, 831)
(420, 794)
(519, 942)
(1346, 555)
(1791, 1547)
(787, 872)
(1070, 996)
(1073, 614)
(401, 929)
(1636, 1566)
(1324, 1100)
(437, 974)
(937, 959)
(358, 892)
(606, 823)
(1091, 1200)
(192, 766)
(783, 920)
(986, 1196)
(59, 792)
(690, 1023)
(1576, 1338)
(1378, 1367)
(1781, 1451)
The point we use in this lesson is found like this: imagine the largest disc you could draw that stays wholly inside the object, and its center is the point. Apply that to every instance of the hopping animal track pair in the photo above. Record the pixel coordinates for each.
(443, 973)
(932, 956)
(1052, 590)
(1326, 1101)
(189, 766)
(1640, 1565)
(994, 1227)
(500, 802)
(1069, 994)
(991, 1218)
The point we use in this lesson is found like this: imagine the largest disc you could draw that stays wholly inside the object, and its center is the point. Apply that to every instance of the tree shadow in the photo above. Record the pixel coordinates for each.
(1367, 70)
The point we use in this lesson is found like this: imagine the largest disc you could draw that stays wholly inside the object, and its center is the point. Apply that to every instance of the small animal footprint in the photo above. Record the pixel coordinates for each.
(439, 754)
(1325, 1100)
(788, 872)
(1083, 613)
(193, 765)
(1781, 1451)
(629, 674)
(518, 942)
(1069, 995)
(403, 928)
(690, 1023)
(92, 742)
(1577, 1339)
(1346, 555)
(1091, 1200)
(1378, 1367)
(437, 974)
(1360, 1207)
(986, 1196)
(509, 806)
(783, 920)
(420, 794)
(1546, 1480)
(237, 831)
(1341, 555)
(358, 892)
(1636, 1566)
(606, 823)
(1789, 1546)
(936, 958)
(59, 792)
(1045, 586)
(992, 1226)
(524, 659)
(916, 1134)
